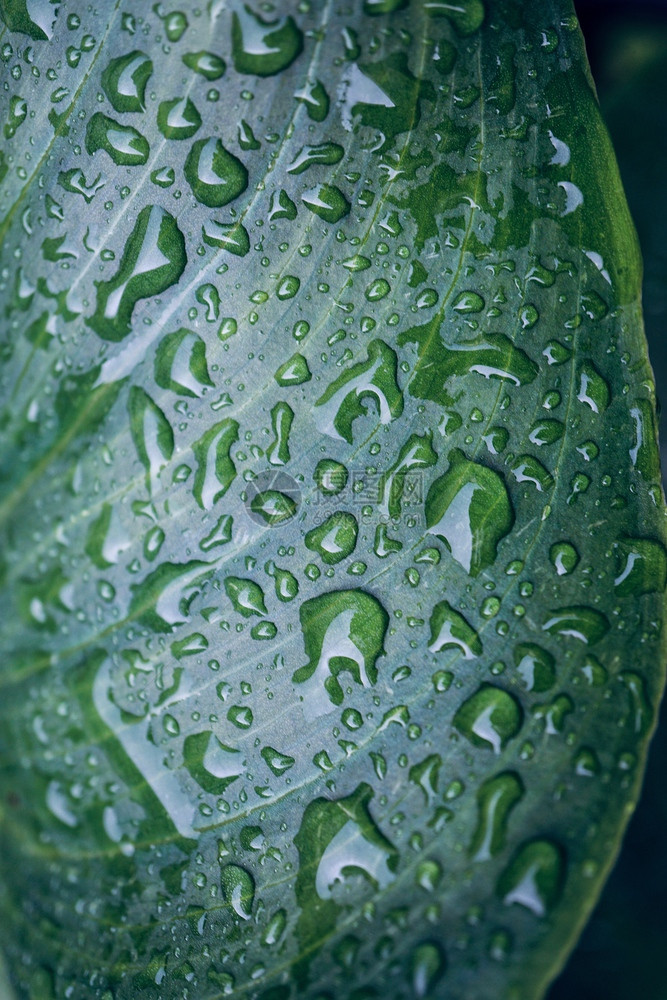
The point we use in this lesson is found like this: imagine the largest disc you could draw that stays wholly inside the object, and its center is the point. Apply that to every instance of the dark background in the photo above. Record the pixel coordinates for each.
(622, 954)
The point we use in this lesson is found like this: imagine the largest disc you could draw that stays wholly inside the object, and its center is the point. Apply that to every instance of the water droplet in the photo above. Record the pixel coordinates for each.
(534, 878)
(273, 507)
(495, 801)
(579, 622)
(316, 100)
(535, 666)
(294, 371)
(152, 435)
(640, 706)
(377, 290)
(238, 887)
(592, 389)
(466, 15)
(210, 65)
(240, 716)
(428, 874)
(180, 363)
(468, 302)
(527, 469)
(338, 842)
(230, 236)
(335, 539)
(125, 79)
(278, 762)
(326, 201)
(124, 144)
(427, 960)
(275, 928)
(215, 467)
(342, 631)
(247, 597)
(425, 775)
(153, 260)
(288, 287)
(331, 477)
(327, 153)
(263, 47)
(215, 175)
(470, 510)
(178, 118)
(221, 534)
(489, 718)
(546, 432)
(554, 714)
(450, 629)
(564, 557)
(642, 567)
(347, 397)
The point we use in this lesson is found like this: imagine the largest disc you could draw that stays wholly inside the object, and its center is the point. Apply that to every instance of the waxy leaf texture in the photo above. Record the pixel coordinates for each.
(333, 547)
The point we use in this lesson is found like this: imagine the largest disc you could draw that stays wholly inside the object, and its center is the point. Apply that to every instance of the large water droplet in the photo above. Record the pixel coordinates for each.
(489, 718)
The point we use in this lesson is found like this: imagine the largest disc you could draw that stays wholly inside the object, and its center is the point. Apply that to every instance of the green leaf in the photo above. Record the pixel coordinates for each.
(631, 75)
(333, 545)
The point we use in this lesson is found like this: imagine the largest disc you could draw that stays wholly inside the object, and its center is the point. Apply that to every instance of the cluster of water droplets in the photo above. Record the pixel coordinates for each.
(316, 413)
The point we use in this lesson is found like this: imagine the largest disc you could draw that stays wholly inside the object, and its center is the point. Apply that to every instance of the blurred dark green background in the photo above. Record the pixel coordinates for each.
(622, 954)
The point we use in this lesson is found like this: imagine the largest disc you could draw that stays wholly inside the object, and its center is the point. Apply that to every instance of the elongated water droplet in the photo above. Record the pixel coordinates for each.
(342, 631)
(470, 510)
(495, 801)
(238, 886)
(580, 622)
(215, 467)
(153, 260)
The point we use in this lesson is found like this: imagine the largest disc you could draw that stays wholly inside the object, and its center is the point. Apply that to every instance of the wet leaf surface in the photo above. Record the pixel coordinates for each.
(333, 542)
